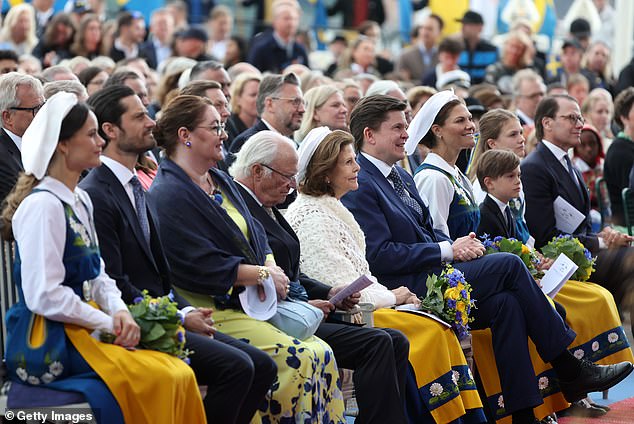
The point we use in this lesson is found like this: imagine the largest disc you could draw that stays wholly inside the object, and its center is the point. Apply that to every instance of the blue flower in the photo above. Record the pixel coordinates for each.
(587, 254)
(451, 303)
(138, 299)
(485, 237)
(463, 293)
(497, 239)
(170, 296)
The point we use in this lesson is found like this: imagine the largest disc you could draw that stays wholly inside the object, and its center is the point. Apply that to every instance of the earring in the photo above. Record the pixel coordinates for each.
(327, 181)
(188, 143)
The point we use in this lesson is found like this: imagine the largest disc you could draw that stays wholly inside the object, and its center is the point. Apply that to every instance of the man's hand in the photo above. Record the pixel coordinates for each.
(347, 303)
(467, 248)
(200, 321)
(615, 239)
(544, 262)
(325, 306)
(126, 329)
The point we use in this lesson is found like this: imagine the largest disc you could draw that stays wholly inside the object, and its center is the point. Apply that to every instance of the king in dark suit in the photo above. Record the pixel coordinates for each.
(403, 249)
(237, 375)
(377, 356)
(547, 175)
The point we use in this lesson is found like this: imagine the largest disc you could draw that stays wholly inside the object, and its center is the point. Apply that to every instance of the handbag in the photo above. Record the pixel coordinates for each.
(297, 318)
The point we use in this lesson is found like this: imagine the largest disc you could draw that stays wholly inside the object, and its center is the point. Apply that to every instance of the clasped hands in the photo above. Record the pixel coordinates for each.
(615, 239)
(467, 248)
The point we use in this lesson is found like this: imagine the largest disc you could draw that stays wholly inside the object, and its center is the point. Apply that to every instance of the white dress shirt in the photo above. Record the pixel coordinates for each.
(446, 252)
(16, 139)
(123, 174)
(39, 227)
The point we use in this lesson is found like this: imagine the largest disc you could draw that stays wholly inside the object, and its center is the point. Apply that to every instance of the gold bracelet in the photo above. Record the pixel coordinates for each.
(263, 274)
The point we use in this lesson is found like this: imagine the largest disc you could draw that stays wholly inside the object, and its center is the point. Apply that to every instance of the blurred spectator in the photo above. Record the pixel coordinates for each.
(242, 67)
(598, 110)
(578, 87)
(365, 80)
(105, 63)
(76, 64)
(198, 10)
(43, 14)
(360, 59)
(372, 29)
(236, 51)
(70, 86)
(588, 159)
(354, 13)
(158, 46)
(608, 17)
(528, 91)
(18, 30)
(244, 113)
(88, 37)
(581, 31)
(313, 79)
(417, 96)
(571, 53)
(212, 71)
(58, 73)
(275, 50)
(220, 27)
(324, 107)
(351, 94)
(133, 80)
(449, 51)
(597, 62)
(130, 34)
(518, 52)
(620, 156)
(414, 61)
(8, 61)
(136, 64)
(93, 78)
(29, 64)
(338, 46)
(192, 43)
(178, 10)
(489, 96)
(626, 77)
(55, 44)
(478, 53)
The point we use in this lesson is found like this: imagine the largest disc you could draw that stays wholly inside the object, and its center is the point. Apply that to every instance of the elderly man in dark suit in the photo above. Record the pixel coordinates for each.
(237, 375)
(403, 249)
(21, 97)
(547, 174)
(378, 356)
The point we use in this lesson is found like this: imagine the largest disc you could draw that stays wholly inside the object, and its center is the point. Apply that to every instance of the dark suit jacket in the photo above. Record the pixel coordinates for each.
(400, 248)
(493, 222)
(133, 264)
(10, 164)
(285, 246)
(148, 52)
(203, 245)
(544, 178)
(237, 143)
(266, 55)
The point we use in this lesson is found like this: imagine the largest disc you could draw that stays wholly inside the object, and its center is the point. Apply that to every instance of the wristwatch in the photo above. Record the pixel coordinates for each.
(263, 274)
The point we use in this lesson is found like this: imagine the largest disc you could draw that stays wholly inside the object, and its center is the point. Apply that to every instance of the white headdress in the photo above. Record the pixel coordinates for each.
(425, 117)
(307, 149)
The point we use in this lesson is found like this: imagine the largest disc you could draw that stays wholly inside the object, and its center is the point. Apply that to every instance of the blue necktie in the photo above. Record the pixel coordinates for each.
(141, 210)
(402, 193)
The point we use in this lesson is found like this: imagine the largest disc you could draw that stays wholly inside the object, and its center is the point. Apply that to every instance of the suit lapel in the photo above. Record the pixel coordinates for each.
(13, 150)
(129, 214)
(563, 178)
(493, 209)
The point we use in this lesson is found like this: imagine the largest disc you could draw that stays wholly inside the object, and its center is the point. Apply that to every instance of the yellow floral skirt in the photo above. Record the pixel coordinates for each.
(592, 314)
(445, 383)
(307, 387)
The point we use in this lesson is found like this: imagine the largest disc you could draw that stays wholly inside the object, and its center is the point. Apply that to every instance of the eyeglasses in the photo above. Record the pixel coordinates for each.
(573, 118)
(290, 178)
(217, 129)
(295, 101)
(34, 110)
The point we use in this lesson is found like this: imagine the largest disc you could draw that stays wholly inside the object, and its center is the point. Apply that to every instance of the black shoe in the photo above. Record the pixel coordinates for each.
(594, 378)
(583, 409)
(596, 405)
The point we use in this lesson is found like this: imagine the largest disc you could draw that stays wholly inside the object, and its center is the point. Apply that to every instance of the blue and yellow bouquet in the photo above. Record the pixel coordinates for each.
(576, 252)
(161, 325)
(449, 298)
(516, 247)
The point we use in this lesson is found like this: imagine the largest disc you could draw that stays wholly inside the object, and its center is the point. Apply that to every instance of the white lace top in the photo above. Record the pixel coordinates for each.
(333, 246)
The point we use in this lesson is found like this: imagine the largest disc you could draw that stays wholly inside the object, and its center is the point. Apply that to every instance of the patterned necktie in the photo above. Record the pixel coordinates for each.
(573, 175)
(141, 210)
(402, 193)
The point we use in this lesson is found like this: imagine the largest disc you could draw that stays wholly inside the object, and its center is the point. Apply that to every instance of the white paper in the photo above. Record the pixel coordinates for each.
(567, 217)
(354, 287)
(530, 242)
(412, 308)
(559, 272)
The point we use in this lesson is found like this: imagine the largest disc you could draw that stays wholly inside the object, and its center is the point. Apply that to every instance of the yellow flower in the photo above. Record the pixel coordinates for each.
(460, 306)
(525, 249)
(452, 293)
(460, 286)
(465, 319)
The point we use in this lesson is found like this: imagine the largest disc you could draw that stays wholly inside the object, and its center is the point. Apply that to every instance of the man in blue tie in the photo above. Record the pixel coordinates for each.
(236, 374)
(403, 249)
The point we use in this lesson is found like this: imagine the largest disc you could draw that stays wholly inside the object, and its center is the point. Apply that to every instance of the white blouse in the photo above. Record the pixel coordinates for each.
(438, 189)
(333, 246)
(39, 228)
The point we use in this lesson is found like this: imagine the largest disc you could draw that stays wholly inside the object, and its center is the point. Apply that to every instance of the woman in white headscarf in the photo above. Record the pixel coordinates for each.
(333, 252)
(65, 294)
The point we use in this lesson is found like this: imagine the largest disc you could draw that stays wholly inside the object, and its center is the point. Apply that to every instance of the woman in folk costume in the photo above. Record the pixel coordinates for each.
(65, 295)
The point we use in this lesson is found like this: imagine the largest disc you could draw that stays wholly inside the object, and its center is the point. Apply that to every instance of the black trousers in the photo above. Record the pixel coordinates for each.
(237, 376)
(379, 360)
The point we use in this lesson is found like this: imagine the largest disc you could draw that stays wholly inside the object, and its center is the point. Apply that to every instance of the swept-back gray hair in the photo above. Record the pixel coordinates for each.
(69, 86)
(9, 90)
(381, 87)
(261, 148)
(271, 86)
